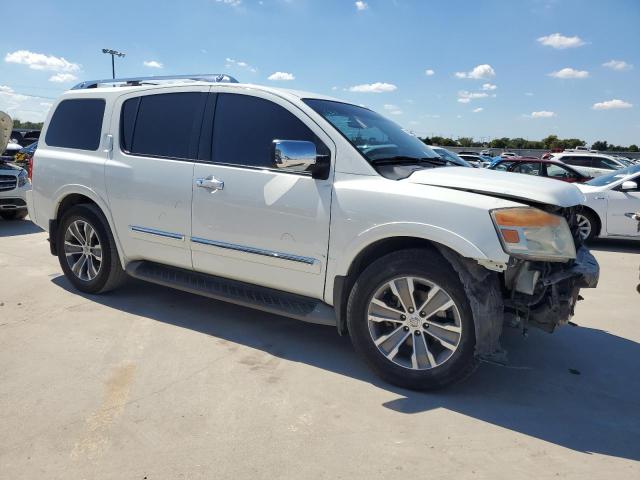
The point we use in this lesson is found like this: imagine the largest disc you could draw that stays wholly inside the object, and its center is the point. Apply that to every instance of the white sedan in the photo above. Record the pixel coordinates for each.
(612, 202)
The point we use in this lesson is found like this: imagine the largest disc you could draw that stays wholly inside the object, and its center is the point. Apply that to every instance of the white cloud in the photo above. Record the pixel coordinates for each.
(465, 96)
(281, 76)
(569, 73)
(152, 64)
(239, 63)
(429, 72)
(477, 110)
(542, 114)
(489, 86)
(560, 42)
(619, 65)
(63, 77)
(479, 72)
(231, 3)
(393, 109)
(360, 5)
(529, 94)
(22, 107)
(611, 104)
(40, 61)
(378, 87)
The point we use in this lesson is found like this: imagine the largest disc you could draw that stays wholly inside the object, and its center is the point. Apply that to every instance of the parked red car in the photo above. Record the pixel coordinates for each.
(541, 168)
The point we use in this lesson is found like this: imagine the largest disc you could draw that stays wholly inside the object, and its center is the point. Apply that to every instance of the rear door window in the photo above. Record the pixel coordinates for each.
(577, 161)
(165, 125)
(76, 123)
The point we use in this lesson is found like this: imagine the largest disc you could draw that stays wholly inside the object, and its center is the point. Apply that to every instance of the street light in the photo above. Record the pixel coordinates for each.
(113, 54)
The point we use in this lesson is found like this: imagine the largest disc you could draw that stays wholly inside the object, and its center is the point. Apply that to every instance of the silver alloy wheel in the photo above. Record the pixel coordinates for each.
(83, 250)
(414, 323)
(584, 226)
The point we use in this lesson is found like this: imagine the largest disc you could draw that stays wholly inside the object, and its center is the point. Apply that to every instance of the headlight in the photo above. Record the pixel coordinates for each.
(22, 178)
(534, 234)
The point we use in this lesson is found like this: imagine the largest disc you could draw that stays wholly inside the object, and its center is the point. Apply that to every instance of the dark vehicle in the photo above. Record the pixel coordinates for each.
(540, 168)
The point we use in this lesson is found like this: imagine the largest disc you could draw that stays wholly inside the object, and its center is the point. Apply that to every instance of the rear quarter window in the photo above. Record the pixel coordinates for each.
(76, 123)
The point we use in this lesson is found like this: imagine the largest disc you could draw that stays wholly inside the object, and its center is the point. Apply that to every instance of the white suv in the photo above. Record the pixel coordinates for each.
(305, 206)
(589, 163)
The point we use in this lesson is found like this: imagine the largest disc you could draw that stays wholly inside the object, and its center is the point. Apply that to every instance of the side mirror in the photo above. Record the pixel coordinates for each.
(294, 155)
(628, 185)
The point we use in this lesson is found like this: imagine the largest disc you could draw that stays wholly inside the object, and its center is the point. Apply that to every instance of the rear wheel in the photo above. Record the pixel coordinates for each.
(87, 250)
(14, 215)
(409, 318)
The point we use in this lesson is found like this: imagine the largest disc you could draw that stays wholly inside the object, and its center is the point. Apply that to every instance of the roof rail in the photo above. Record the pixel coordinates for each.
(133, 81)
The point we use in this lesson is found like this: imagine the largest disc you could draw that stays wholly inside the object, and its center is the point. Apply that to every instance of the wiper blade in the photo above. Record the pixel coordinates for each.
(402, 159)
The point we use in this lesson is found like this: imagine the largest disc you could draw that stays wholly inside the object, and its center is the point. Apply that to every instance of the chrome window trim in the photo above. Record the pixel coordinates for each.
(256, 251)
(159, 233)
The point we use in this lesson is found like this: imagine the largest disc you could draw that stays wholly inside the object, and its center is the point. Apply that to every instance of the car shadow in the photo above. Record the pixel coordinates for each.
(614, 245)
(578, 388)
(11, 228)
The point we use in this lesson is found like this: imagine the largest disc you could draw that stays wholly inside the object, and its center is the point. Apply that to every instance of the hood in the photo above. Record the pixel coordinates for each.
(516, 186)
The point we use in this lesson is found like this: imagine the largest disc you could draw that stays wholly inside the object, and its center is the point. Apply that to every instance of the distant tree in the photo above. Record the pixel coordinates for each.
(465, 142)
(29, 125)
(600, 145)
(499, 142)
(633, 148)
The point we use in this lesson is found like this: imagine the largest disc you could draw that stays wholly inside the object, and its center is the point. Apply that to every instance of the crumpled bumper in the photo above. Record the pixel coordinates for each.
(585, 271)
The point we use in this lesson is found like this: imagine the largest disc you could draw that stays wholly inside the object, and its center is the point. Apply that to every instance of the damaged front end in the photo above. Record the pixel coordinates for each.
(544, 294)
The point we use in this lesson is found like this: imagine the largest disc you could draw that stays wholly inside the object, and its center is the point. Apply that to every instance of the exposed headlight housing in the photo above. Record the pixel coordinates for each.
(533, 234)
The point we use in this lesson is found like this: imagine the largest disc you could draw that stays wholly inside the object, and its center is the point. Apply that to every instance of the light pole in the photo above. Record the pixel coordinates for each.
(113, 54)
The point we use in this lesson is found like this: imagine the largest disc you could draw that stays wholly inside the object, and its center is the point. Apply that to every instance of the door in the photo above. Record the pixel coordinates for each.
(150, 172)
(603, 166)
(621, 205)
(251, 221)
(559, 172)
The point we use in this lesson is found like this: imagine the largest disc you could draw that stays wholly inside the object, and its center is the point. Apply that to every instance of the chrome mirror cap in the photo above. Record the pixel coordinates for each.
(295, 155)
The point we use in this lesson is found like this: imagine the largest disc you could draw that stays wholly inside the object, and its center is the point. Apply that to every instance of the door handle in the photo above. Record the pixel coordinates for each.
(210, 183)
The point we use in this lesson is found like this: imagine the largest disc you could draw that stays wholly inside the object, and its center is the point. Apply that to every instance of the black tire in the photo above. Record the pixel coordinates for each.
(428, 264)
(594, 223)
(110, 274)
(14, 215)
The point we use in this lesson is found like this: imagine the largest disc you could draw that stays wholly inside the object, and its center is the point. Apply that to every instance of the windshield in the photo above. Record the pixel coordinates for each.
(614, 177)
(376, 138)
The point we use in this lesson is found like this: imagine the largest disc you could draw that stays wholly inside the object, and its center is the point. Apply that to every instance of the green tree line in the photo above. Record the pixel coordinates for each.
(548, 143)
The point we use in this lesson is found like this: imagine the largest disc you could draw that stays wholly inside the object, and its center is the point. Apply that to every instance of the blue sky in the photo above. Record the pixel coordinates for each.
(492, 63)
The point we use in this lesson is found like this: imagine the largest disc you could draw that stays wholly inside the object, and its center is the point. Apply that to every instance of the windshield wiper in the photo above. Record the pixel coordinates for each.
(403, 159)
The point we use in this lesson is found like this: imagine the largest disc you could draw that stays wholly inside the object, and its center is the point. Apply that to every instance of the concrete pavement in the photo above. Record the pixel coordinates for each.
(147, 382)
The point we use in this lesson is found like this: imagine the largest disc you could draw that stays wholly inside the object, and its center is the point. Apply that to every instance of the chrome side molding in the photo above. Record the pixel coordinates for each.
(158, 233)
(256, 251)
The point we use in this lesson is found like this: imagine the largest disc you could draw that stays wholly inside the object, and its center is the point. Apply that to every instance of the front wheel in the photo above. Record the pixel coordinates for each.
(409, 318)
(587, 225)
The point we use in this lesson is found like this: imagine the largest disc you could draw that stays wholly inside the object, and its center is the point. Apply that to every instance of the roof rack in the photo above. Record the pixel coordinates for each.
(134, 81)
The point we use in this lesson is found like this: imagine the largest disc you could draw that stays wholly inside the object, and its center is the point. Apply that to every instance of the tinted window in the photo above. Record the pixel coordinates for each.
(502, 165)
(577, 161)
(245, 128)
(164, 125)
(556, 171)
(600, 162)
(529, 168)
(76, 124)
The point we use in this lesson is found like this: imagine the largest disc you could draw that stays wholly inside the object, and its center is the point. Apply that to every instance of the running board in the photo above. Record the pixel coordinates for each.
(232, 291)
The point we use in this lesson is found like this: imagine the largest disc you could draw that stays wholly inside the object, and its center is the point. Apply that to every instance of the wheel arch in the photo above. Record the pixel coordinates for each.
(70, 197)
(596, 216)
(343, 284)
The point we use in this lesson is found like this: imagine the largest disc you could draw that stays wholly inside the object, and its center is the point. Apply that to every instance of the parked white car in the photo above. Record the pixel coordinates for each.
(610, 205)
(309, 207)
(589, 163)
(14, 185)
